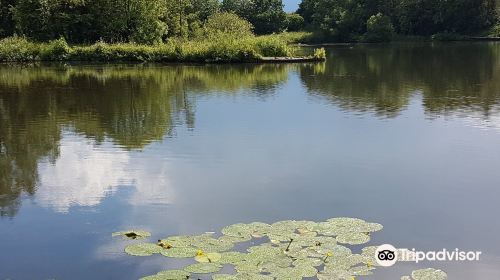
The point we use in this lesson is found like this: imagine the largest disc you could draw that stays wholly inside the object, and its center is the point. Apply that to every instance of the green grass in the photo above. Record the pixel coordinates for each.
(494, 31)
(291, 37)
(222, 49)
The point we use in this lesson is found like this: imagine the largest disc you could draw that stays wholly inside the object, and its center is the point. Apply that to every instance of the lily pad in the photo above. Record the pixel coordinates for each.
(308, 262)
(212, 244)
(237, 230)
(181, 252)
(201, 268)
(208, 258)
(178, 241)
(232, 257)
(429, 274)
(168, 275)
(335, 275)
(143, 249)
(354, 238)
(241, 276)
(286, 250)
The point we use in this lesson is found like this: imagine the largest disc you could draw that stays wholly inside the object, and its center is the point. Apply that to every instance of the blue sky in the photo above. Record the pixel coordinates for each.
(291, 5)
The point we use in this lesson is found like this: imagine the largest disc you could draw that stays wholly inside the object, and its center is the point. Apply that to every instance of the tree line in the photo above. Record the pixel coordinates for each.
(354, 20)
(151, 21)
(143, 21)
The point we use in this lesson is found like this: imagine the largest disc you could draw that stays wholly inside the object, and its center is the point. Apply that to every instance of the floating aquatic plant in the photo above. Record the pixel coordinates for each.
(132, 234)
(426, 274)
(200, 268)
(143, 249)
(179, 252)
(285, 250)
(208, 257)
(169, 275)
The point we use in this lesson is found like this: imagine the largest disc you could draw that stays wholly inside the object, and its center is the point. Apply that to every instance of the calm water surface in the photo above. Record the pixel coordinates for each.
(404, 135)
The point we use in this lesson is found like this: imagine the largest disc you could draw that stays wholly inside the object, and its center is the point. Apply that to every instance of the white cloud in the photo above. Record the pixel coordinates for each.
(85, 173)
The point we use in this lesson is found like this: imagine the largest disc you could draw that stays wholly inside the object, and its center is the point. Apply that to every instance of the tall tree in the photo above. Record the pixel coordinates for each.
(267, 16)
(7, 23)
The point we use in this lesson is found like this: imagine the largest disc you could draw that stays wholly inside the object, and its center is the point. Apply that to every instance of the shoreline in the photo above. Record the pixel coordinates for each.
(263, 60)
(247, 50)
(399, 40)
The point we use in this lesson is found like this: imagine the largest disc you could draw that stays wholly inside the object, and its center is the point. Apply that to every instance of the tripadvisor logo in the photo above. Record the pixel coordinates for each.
(388, 255)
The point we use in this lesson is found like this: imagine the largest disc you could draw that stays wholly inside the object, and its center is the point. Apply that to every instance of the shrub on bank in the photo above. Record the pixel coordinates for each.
(495, 31)
(18, 49)
(448, 36)
(379, 29)
(320, 53)
(219, 49)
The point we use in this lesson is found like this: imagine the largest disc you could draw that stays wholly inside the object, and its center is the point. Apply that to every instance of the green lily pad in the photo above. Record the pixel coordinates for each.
(178, 241)
(248, 266)
(232, 257)
(168, 275)
(143, 249)
(208, 258)
(294, 250)
(429, 274)
(361, 270)
(237, 230)
(181, 252)
(264, 250)
(335, 275)
(306, 261)
(235, 239)
(132, 234)
(344, 262)
(355, 238)
(295, 272)
(306, 270)
(241, 276)
(212, 244)
(201, 268)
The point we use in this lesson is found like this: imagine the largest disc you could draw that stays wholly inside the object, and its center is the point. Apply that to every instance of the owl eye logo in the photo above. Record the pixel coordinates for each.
(386, 255)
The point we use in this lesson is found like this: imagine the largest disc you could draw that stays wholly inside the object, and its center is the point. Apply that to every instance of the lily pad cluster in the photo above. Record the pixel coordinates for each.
(285, 250)
(426, 274)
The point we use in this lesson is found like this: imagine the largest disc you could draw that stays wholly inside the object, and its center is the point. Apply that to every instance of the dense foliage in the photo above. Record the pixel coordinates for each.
(266, 15)
(347, 20)
(155, 21)
(217, 49)
(141, 21)
(378, 29)
(294, 22)
(227, 24)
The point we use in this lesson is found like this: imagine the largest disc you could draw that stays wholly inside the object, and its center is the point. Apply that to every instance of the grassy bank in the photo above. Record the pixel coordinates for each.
(253, 49)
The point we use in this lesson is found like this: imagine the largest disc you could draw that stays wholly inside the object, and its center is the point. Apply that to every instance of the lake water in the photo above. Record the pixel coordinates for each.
(407, 135)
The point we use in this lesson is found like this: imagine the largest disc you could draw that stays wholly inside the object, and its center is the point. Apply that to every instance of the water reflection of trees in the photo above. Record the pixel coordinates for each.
(130, 105)
(452, 78)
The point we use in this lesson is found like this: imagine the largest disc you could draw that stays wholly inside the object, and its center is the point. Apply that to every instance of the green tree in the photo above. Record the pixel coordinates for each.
(186, 17)
(426, 17)
(7, 23)
(88, 21)
(44, 20)
(227, 24)
(343, 20)
(294, 22)
(379, 29)
(267, 16)
(130, 20)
